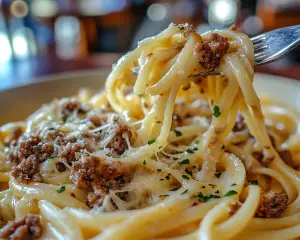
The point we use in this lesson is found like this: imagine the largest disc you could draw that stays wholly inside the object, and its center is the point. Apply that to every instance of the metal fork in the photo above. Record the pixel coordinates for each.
(273, 45)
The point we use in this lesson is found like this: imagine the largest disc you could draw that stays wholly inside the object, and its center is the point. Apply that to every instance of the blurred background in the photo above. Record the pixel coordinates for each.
(39, 37)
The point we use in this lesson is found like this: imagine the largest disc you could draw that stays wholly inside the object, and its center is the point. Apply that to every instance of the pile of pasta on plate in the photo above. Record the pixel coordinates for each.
(175, 147)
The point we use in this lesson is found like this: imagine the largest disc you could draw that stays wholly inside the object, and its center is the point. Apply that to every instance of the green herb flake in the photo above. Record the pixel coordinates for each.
(185, 191)
(218, 174)
(158, 122)
(188, 172)
(197, 141)
(144, 163)
(203, 187)
(51, 128)
(61, 189)
(181, 27)
(253, 182)
(174, 189)
(51, 157)
(160, 147)
(217, 191)
(159, 170)
(186, 177)
(205, 198)
(223, 147)
(185, 161)
(164, 195)
(234, 184)
(190, 151)
(212, 185)
(161, 179)
(152, 141)
(178, 133)
(216, 112)
(230, 193)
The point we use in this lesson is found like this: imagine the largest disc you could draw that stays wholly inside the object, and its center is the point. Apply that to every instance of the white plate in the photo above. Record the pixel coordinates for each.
(17, 103)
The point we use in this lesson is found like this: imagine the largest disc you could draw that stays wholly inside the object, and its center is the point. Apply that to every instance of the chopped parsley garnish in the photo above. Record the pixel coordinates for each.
(212, 185)
(223, 147)
(186, 177)
(159, 170)
(61, 189)
(174, 189)
(51, 128)
(160, 147)
(218, 174)
(164, 195)
(203, 187)
(188, 172)
(158, 122)
(205, 198)
(216, 112)
(253, 182)
(161, 179)
(51, 157)
(181, 27)
(185, 191)
(185, 161)
(144, 163)
(152, 141)
(217, 191)
(230, 193)
(191, 150)
(234, 184)
(197, 141)
(178, 133)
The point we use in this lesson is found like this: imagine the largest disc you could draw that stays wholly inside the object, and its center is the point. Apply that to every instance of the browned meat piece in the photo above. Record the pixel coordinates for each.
(188, 29)
(118, 143)
(73, 106)
(70, 150)
(27, 146)
(26, 228)
(97, 176)
(98, 120)
(212, 50)
(28, 170)
(61, 167)
(272, 205)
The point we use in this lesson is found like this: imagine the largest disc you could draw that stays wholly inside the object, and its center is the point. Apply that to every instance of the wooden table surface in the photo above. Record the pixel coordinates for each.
(27, 71)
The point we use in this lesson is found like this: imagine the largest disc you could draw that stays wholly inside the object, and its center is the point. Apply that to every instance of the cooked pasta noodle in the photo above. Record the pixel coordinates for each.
(176, 147)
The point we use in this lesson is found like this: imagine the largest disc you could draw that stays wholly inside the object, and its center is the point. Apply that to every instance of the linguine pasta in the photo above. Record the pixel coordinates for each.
(176, 147)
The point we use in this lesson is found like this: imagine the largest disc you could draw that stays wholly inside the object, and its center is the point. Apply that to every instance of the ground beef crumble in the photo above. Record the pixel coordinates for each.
(72, 106)
(98, 177)
(272, 205)
(26, 228)
(118, 143)
(212, 50)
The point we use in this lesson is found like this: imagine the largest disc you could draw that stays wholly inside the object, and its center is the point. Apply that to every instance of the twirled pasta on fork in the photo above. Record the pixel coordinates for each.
(176, 147)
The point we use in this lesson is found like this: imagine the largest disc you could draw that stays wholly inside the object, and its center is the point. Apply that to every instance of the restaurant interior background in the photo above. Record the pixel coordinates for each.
(39, 37)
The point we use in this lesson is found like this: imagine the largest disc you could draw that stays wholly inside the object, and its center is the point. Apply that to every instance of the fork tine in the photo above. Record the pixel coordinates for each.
(258, 39)
(260, 47)
(275, 44)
